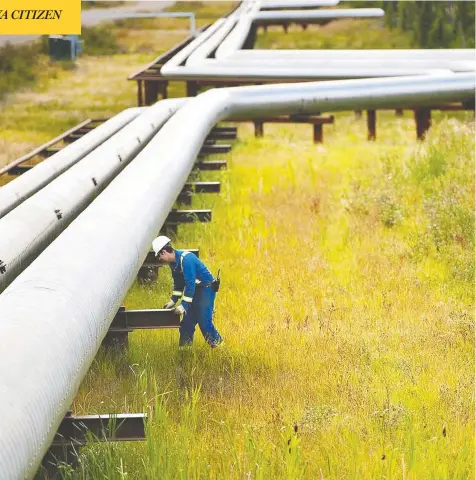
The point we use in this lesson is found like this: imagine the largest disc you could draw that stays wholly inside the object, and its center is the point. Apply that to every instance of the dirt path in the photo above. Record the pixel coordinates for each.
(95, 16)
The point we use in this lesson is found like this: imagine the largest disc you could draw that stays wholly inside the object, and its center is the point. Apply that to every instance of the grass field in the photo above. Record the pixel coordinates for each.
(347, 310)
(347, 300)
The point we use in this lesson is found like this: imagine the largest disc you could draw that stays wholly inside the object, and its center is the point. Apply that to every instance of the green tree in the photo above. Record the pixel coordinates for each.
(437, 37)
(465, 20)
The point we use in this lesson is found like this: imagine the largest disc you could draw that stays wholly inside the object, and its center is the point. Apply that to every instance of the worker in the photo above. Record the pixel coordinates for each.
(195, 286)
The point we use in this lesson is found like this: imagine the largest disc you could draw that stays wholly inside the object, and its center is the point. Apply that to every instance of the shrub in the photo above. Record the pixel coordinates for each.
(101, 40)
(18, 64)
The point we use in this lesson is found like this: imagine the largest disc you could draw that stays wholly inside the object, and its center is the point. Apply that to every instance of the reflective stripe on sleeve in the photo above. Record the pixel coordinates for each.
(187, 299)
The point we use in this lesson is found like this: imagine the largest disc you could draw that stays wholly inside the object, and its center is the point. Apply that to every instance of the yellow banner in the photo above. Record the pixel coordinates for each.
(40, 17)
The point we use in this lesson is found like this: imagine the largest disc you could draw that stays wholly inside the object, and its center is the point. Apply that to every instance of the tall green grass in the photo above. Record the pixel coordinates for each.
(347, 309)
(20, 66)
(340, 34)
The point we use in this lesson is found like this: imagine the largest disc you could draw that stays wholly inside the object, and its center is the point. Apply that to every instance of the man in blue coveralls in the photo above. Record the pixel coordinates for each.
(197, 288)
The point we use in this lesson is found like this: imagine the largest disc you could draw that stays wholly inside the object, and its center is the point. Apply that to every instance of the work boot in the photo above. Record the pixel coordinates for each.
(218, 343)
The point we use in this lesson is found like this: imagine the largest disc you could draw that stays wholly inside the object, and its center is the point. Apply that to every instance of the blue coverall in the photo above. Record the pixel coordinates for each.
(192, 283)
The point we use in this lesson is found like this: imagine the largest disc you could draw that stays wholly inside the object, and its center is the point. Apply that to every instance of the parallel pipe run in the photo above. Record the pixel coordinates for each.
(226, 37)
(207, 42)
(74, 301)
(240, 32)
(237, 67)
(19, 189)
(29, 228)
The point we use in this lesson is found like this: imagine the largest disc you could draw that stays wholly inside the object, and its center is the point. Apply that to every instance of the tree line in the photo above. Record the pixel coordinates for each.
(434, 24)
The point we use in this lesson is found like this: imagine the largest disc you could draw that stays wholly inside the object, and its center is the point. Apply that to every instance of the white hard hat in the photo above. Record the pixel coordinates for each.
(159, 243)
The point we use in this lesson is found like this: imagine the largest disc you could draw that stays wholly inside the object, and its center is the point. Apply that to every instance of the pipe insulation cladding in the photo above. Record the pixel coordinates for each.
(56, 313)
(19, 189)
(310, 17)
(226, 37)
(31, 226)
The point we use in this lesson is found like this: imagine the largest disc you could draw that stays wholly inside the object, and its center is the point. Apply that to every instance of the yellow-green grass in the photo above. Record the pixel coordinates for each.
(347, 311)
(340, 34)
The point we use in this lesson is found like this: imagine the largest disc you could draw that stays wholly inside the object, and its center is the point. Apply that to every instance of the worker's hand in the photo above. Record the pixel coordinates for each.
(179, 310)
(170, 304)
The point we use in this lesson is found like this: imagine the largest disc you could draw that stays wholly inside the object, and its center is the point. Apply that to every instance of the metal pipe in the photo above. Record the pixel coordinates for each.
(239, 34)
(258, 73)
(208, 45)
(184, 53)
(19, 189)
(29, 228)
(74, 301)
(240, 22)
(384, 63)
(456, 54)
(310, 16)
(232, 64)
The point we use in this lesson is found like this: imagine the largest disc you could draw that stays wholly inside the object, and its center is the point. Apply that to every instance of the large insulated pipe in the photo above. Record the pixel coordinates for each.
(315, 17)
(463, 54)
(29, 228)
(16, 191)
(56, 313)
(259, 73)
(384, 63)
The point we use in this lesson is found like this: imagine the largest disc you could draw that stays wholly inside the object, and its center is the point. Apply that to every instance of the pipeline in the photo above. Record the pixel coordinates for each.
(226, 37)
(197, 66)
(463, 54)
(30, 227)
(56, 313)
(455, 66)
(244, 73)
(314, 17)
(19, 189)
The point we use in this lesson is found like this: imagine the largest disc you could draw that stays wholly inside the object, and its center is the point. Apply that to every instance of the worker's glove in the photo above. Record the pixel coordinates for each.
(179, 310)
(170, 304)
